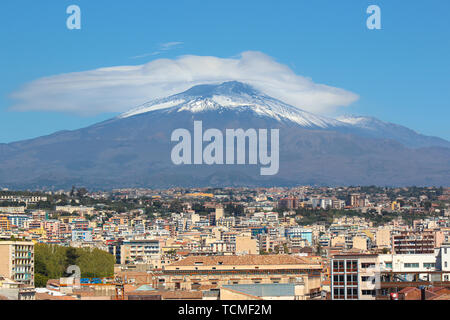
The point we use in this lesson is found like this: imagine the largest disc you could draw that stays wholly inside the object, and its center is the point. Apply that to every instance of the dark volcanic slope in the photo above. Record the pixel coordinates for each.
(135, 152)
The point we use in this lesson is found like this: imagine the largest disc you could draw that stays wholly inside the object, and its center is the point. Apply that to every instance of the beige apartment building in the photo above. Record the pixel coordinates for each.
(246, 245)
(17, 261)
(141, 252)
(209, 272)
(383, 238)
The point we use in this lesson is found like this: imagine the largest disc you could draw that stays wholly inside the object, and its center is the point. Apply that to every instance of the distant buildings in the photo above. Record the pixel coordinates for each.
(366, 248)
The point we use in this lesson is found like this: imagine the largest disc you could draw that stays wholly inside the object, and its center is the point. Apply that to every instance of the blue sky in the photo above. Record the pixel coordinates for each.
(400, 73)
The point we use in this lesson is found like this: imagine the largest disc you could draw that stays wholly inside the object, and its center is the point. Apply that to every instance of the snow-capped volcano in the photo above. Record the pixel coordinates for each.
(134, 149)
(235, 96)
(240, 98)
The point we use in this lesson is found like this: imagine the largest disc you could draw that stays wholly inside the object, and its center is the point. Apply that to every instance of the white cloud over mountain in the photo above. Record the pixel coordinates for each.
(118, 89)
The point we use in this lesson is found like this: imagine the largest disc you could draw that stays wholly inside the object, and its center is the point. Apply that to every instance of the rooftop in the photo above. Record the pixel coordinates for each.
(243, 260)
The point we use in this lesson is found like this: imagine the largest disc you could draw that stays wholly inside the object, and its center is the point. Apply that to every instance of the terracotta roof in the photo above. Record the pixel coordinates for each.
(408, 289)
(53, 282)
(243, 260)
(445, 296)
(129, 288)
(169, 294)
(46, 296)
(182, 295)
(439, 290)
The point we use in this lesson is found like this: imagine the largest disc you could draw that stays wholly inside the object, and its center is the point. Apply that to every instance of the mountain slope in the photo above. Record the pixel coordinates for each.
(372, 127)
(133, 149)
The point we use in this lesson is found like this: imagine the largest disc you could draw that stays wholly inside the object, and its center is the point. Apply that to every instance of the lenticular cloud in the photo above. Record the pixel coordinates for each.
(118, 89)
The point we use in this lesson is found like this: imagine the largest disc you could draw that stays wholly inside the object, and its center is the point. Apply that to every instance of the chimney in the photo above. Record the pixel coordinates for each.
(422, 293)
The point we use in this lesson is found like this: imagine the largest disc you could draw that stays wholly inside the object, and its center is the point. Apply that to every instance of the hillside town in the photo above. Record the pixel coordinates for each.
(300, 243)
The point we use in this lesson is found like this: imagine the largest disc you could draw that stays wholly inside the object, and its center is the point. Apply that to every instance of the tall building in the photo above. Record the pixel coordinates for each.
(17, 261)
(351, 277)
(353, 199)
(4, 222)
(288, 203)
(114, 248)
(383, 238)
(408, 242)
(219, 213)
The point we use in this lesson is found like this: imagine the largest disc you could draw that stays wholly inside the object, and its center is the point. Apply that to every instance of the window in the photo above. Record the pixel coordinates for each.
(367, 265)
(352, 278)
(338, 279)
(429, 265)
(338, 266)
(339, 293)
(388, 265)
(335, 264)
(368, 292)
(352, 265)
(352, 293)
(411, 265)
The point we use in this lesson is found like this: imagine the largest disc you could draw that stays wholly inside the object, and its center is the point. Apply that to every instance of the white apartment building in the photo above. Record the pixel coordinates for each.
(364, 276)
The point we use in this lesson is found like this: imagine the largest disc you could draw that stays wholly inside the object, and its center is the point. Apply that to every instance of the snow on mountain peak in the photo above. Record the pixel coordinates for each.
(233, 95)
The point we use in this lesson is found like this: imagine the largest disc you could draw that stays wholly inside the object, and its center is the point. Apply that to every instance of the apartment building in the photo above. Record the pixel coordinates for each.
(200, 272)
(17, 261)
(351, 277)
(297, 232)
(368, 276)
(408, 242)
(383, 238)
(288, 203)
(18, 220)
(140, 251)
(82, 235)
(5, 224)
